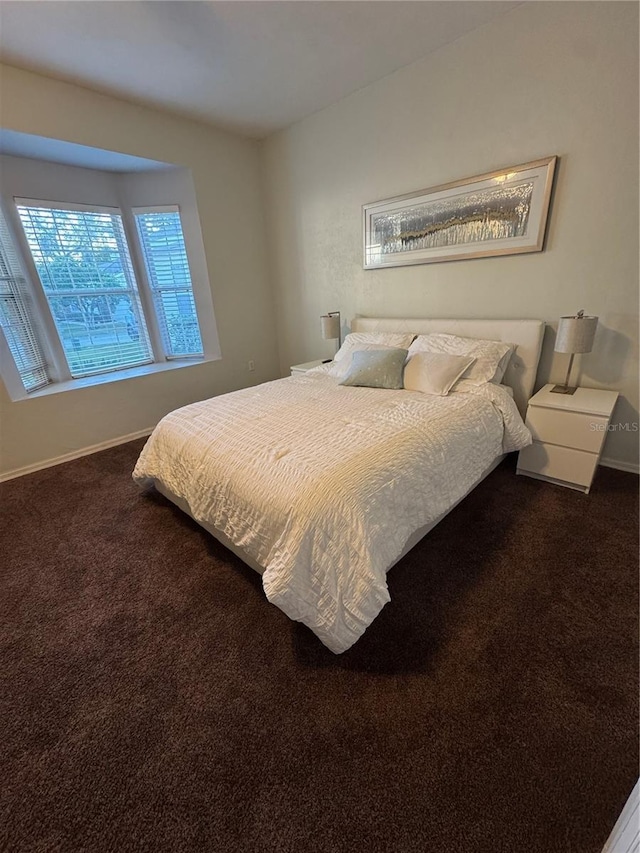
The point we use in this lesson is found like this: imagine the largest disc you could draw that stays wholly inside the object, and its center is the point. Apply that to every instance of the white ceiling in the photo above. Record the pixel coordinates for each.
(253, 67)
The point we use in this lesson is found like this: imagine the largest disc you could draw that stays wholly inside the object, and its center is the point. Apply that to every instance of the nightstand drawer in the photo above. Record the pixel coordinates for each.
(568, 429)
(559, 463)
(300, 369)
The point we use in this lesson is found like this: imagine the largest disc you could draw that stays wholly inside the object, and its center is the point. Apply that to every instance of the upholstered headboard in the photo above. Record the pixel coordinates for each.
(525, 334)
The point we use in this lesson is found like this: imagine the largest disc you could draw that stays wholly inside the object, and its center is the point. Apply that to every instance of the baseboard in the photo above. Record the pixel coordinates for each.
(631, 467)
(75, 454)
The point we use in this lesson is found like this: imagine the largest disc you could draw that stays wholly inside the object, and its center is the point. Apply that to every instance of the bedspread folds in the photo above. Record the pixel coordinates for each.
(323, 484)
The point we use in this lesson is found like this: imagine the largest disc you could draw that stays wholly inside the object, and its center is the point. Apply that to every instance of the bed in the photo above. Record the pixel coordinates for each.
(322, 488)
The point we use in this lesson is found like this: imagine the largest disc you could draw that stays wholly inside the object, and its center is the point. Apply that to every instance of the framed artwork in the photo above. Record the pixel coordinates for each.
(499, 213)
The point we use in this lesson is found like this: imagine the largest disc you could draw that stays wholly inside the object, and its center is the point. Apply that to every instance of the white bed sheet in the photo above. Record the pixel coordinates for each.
(323, 484)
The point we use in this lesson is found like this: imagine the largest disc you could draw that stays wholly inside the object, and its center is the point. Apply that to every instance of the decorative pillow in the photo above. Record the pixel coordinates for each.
(387, 339)
(434, 372)
(339, 369)
(376, 368)
(487, 354)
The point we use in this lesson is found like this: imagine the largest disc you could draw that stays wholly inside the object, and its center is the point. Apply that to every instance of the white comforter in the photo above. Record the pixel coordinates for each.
(323, 484)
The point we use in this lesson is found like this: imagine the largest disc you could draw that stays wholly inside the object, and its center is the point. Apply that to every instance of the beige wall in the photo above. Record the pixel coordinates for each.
(548, 78)
(225, 171)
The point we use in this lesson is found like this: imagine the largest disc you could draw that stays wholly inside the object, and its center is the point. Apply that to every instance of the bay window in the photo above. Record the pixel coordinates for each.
(103, 312)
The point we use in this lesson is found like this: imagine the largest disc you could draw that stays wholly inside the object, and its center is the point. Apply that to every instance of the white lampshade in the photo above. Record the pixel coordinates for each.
(330, 326)
(576, 334)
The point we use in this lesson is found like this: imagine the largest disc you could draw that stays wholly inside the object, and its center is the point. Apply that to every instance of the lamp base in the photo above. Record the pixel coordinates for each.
(563, 389)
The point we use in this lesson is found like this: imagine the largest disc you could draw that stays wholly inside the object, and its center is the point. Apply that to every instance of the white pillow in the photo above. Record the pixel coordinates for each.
(434, 372)
(503, 364)
(488, 355)
(398, 340)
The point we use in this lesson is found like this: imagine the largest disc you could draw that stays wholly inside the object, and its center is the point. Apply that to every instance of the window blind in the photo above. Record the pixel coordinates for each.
(83, 263)
(16, 319)
(165, 255)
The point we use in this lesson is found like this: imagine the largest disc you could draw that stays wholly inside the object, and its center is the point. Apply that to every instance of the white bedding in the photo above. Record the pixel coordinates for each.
(323, 484)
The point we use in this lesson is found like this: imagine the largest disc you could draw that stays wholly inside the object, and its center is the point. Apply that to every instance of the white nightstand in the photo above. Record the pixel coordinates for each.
(568, 433)
(297, 369)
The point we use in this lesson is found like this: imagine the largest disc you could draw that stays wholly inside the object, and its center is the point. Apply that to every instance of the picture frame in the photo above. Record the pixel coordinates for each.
(503, 212)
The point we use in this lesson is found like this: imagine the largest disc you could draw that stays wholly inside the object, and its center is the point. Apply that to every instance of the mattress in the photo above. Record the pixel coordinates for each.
(322, 485)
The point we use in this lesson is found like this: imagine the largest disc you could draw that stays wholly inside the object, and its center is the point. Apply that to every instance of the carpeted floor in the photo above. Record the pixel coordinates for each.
(153, 700)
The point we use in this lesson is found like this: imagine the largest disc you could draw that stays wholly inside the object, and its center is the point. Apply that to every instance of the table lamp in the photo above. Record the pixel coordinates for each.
(575, 334)
(331, 327)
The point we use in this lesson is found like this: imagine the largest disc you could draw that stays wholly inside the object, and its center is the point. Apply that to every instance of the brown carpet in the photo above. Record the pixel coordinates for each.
(153, 700)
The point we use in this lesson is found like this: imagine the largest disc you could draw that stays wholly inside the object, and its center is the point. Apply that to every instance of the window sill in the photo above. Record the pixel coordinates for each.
(115, 376)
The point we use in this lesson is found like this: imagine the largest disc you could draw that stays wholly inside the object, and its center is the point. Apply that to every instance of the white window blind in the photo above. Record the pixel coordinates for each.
(83, 262)
(16, 318)
(162, 241)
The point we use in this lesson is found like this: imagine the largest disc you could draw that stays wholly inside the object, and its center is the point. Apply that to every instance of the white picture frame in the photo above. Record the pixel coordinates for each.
(503, 212)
